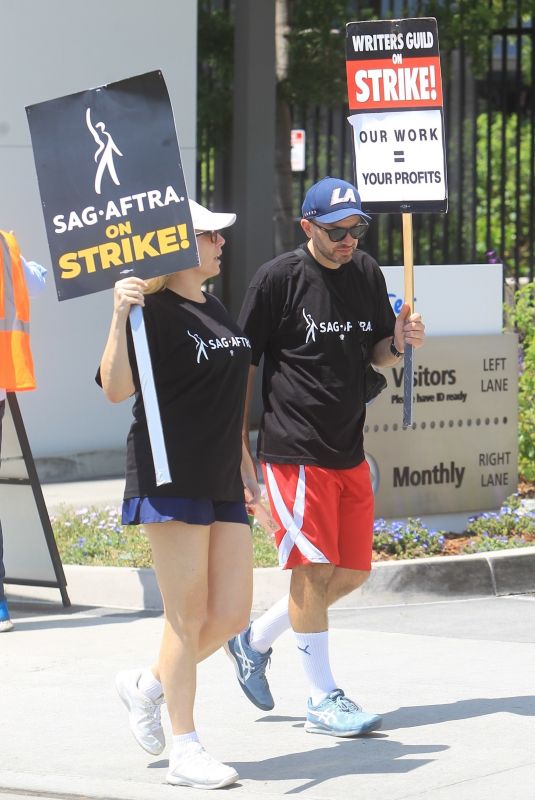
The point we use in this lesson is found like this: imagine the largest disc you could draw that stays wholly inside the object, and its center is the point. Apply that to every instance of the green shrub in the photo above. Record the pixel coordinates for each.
(410, 539)
(264, 549)
(511, 132)
(511, 526)
(486, 542)
(522, 318)
(95, 536)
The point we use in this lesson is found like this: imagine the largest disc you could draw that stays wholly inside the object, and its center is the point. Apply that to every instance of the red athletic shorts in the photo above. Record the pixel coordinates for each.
(325, 516)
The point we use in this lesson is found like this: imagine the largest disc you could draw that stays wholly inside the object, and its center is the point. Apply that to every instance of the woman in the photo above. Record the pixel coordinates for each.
(197, 524)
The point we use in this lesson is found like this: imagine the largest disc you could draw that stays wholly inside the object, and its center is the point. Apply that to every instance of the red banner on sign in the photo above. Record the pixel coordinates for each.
(381, 84)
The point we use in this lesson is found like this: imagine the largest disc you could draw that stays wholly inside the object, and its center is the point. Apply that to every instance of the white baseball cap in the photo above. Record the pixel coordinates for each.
(206, 220)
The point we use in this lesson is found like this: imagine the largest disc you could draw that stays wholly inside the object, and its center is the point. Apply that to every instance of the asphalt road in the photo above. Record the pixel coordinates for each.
(452, 680)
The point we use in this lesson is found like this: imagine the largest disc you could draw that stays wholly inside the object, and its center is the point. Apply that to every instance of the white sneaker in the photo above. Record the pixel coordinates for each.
(144, 714)
(193, 766)
(6, 625)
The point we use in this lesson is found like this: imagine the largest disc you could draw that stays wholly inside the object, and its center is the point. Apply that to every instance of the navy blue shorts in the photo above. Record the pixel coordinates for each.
(145, 510)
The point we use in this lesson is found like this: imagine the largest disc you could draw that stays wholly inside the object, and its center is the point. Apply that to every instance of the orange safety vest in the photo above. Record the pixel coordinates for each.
(16, 363)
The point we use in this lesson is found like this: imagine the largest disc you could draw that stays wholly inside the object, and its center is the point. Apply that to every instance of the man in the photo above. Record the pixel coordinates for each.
(18, 278)
(318, 315)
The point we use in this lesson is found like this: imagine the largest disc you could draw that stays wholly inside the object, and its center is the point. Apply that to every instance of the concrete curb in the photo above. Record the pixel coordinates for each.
(391, 582)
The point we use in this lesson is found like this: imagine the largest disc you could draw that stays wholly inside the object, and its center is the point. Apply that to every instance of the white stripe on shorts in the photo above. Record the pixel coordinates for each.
(293, 522)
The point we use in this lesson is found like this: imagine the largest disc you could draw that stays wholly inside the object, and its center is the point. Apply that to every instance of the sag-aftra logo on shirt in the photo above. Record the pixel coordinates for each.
(226, 342)
(327, 326)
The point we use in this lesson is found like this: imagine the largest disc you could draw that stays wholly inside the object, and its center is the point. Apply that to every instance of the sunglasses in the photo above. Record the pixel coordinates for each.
(357, 231)
(212, 234)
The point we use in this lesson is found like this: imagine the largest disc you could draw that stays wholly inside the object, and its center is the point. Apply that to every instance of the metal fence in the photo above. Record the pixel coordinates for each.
(490, 140)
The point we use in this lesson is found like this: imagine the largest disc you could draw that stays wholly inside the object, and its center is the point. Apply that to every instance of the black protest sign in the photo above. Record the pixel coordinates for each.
(112, 186)
(395, 99)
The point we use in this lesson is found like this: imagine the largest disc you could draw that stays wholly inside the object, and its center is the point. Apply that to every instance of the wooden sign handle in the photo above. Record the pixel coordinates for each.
(408, 260)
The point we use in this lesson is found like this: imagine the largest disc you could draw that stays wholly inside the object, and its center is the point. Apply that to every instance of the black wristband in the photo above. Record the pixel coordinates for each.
(393, 349)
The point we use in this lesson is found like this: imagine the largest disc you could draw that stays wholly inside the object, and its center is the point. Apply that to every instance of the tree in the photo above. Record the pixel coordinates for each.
(214, 98)
(311, 59)
(310, 48)
(310, 70)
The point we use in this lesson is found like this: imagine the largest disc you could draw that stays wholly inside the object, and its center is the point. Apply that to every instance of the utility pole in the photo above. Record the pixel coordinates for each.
(253, 147)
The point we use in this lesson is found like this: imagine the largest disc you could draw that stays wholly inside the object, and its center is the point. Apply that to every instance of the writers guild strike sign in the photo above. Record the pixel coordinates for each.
(395, 98)
(112, 186)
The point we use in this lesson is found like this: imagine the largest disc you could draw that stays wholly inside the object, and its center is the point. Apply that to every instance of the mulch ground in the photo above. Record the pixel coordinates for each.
(526, 490)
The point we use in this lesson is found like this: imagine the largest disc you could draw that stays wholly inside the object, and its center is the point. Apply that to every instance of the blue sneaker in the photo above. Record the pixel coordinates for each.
(5, 621)
(337, 715)
(250, 666)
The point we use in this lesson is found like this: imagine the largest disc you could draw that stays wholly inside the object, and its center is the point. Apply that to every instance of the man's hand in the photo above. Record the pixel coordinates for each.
(263, 517)
(409, 329)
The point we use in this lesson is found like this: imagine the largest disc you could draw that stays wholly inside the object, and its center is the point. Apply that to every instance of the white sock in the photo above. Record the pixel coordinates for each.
(269, 626)
(182, 739)
(314, 650)
(149, 685)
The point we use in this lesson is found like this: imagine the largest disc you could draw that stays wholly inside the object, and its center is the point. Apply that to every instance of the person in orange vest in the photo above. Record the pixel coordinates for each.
(19, 279)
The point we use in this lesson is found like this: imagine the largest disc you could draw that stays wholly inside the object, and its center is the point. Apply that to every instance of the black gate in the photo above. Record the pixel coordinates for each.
(490, 135)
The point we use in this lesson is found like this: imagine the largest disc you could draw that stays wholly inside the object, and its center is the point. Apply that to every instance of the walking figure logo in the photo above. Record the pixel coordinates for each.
(311, 327)
(105, 151)
(200, 345)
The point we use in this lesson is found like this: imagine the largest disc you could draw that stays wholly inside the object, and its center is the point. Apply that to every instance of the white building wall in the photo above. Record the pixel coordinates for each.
(52, 48)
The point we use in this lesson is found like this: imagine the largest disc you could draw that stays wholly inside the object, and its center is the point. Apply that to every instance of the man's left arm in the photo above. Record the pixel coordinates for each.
(35, 276)
(409, 329)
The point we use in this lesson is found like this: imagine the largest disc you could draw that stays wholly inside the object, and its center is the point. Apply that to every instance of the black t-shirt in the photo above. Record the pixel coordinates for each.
(200, 360)
(316, 328)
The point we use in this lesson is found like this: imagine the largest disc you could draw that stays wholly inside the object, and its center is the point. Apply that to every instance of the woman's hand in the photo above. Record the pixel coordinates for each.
(127, 293)
(253, 496)
(255, 507)
(251, 491)
(115, 370)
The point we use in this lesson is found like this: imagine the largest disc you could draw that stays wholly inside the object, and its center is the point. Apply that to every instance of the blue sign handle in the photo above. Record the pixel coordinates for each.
(150, 400)
(408, 389)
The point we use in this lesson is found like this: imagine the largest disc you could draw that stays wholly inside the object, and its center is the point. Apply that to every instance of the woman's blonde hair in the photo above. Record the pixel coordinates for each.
(156, 284)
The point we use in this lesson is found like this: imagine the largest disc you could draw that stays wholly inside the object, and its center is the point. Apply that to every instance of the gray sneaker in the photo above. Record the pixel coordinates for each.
(250, 666)
(193, 766)
(337, 715)
(143, 714)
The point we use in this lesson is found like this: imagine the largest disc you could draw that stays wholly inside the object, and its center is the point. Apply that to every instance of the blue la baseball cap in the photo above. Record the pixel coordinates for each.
(331, 200)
